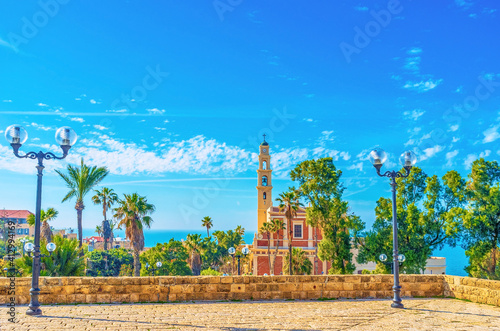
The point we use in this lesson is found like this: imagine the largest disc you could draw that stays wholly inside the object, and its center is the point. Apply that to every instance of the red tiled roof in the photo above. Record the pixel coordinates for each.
(96, 238)
(4, 213)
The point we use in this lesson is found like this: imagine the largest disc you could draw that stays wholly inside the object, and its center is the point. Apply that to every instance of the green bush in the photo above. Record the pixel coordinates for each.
(210, 272)
(116, 259)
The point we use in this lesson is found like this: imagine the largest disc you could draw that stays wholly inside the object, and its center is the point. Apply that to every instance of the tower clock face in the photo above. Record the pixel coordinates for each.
(264, 150)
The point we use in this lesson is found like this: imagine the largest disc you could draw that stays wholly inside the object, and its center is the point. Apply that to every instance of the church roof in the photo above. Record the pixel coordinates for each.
(276, 210)
(4, 213)
(264, 143)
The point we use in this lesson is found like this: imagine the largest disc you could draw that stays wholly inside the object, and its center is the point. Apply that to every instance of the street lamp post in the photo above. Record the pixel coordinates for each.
(152, 269)
(245, 251)
(408, 160)
(16, 135)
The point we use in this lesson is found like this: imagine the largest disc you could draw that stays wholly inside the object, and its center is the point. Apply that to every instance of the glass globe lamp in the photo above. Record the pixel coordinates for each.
(29, 247)
(159, 264)
(408, 159)
(401, 258)
(51, 247)
(231, 250)
(66, 136)
(245, 251)
(378, 157)
(16, 134)
(382, 257)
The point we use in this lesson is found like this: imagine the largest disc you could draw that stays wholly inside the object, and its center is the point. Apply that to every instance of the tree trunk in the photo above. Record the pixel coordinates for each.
(276, 252)
(79, 211)
(208, 232)
(46, 232)
(137, 263)
(269, 252)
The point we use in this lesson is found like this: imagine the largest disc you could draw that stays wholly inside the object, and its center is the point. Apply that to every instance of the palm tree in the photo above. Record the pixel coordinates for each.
(207, 222)
(194, 246)
(105, 197)
(80, 180)
(98, 230)
(45, 217)
(132, 213)
(266, 229)
(301, 265)
(112, 226)
(240, 230)
(289, 204)
(277, 225)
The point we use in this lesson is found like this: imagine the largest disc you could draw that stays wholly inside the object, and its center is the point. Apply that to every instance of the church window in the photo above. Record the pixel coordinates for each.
(264, 180)
(264, 165)
(265, 195)
(297, 231)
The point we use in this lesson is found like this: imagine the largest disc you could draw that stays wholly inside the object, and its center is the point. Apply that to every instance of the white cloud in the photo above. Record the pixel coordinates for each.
(361, 8)
(491, 134)
(160, 129)
(473, 157)
(166, 121)
(6, 100)
(77, 119)
(459, 89)
(450, 156)
(423, 86)
(116, 111)
(430, 152)
(415, 50)
(156, 111)
(41, 127)
(92, 101)
(412, 64)
(414, 114)
(454, 128)
(308, 120)
(356, 166)
(455, 139)
(42, 105)
(100, 127)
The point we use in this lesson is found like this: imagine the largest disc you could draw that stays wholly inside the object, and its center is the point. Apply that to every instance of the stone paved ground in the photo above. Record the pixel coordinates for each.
(420, 314)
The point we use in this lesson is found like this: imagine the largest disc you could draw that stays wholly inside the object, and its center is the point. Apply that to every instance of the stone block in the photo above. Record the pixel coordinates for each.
(91, 298)
(312, 286)
(226, 280)
(237, 288)
(103, 298)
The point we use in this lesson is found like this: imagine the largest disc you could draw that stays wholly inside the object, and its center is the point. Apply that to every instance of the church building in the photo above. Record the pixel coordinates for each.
(304, 236)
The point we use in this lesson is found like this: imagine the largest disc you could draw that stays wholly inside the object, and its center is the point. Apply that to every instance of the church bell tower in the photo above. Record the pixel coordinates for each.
(264, 184)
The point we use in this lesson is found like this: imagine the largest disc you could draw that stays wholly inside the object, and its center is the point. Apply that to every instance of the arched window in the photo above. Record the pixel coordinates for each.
(264, 180)
(264, 165)
(264, 195)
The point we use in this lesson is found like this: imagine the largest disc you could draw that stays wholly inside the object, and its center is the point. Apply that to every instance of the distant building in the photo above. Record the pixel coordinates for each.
(64, 233)
(97, 243)
(19, 218)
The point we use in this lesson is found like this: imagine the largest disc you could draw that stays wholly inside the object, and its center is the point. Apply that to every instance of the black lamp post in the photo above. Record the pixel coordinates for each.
(245, 251)
(408, 160)
(16, 135)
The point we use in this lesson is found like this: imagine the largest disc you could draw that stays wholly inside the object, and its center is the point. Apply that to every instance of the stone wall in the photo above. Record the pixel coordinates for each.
(472, 289)
(67, 290)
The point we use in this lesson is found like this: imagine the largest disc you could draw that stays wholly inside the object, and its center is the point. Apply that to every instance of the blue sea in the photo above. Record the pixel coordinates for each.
(455, 256)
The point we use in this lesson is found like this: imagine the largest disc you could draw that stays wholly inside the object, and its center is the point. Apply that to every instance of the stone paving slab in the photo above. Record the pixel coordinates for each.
(419, 314)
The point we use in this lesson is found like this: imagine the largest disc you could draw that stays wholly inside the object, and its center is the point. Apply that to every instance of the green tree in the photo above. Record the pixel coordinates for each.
(80, 181)
(65, 261)
(173, 256)
(105, 197)
(240, 230)
(108, 263)
(266, 230)
(207, 223)
(301, 265)
(45, 217)
(278, 227)
(289, 204)
(429, 216)
(482, 222)
(194, 245)
(320, 186)
(133, 213)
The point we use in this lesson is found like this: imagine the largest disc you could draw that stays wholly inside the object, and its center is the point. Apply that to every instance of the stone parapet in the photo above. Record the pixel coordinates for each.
(68, 290)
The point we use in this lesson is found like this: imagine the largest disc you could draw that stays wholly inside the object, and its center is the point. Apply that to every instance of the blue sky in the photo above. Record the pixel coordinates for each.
(174, 97)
